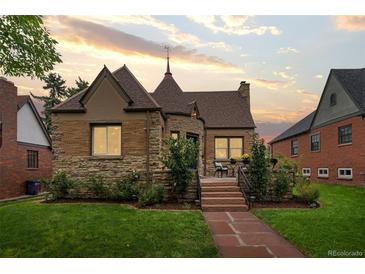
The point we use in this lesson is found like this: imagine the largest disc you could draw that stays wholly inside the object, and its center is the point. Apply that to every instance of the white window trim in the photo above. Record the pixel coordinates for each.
(306, 174)
(348, 177)
(323, 175)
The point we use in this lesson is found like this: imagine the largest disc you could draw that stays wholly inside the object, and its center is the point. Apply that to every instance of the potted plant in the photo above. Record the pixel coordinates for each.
(232, 160)
(246, 158)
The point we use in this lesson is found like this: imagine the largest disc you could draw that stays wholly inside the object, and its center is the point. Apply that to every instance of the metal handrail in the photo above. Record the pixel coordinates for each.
(198, 196)
(245, 186)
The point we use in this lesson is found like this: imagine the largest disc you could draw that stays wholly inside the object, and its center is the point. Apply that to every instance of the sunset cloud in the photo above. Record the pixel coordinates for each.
(318, 76)
(232, 25)
(90, 34)
(350, 23)
(272, 84)
(287, 50)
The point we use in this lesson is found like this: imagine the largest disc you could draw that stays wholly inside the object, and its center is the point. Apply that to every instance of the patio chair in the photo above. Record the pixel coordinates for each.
(220, 168)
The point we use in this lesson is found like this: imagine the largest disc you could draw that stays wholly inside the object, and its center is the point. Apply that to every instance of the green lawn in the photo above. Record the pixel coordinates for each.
(338, 225)
(33, 229)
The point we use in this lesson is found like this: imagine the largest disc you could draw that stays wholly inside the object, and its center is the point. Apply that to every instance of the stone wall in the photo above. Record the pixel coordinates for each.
(210, 143)
(185, 125)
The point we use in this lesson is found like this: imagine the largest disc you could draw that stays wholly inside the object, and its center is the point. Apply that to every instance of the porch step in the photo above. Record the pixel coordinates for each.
(222, 194)
(206, 184)
(220, 189)
(232, 207)
(223, 201)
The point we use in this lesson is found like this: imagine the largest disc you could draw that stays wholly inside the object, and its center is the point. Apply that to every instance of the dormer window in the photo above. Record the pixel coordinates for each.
(333, 99)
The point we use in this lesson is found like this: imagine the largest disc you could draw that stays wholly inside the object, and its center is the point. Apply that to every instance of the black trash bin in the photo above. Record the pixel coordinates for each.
(33, 187)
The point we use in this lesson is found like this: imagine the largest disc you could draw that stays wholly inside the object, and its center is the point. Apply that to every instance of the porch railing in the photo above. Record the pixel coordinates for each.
(245, 186)
(198, 195)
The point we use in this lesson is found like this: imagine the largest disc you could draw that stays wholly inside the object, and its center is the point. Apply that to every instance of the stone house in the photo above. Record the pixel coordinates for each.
(25, 146)
(116, 126)
(329, 143)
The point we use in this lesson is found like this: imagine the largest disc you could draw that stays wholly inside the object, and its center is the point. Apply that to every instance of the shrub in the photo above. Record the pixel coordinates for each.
(150, 195)
(96, 186)
(306, 192)
(180, 156)
(60, 185)
(281, 184)
(127, 188)
(259, 168)
(287, 164)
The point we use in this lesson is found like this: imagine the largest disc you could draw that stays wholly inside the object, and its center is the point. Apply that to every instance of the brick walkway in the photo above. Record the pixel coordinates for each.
(243, 235)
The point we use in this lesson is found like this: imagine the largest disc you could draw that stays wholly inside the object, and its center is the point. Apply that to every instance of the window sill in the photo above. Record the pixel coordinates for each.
(294, 156)
(106, 157)
(342, 145)
(32, 169)
(346, 179)
(315, 151)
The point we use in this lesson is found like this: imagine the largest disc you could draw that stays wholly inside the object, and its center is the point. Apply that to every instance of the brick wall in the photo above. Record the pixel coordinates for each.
(331, 154)
(13, 156)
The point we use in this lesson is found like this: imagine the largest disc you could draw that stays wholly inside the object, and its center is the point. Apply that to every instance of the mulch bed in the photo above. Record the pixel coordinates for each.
(293, 203)
(162, 206)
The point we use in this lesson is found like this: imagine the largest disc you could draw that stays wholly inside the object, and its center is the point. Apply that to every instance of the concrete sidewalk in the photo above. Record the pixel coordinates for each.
(243, 235)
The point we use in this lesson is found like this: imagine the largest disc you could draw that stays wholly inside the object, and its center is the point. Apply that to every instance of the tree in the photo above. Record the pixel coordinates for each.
(259, 171)
(80, 85)
(180, 156)
(57, 93)
(26, 48)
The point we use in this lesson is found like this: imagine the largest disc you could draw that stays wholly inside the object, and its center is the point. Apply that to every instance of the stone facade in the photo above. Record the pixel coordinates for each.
(246, 134)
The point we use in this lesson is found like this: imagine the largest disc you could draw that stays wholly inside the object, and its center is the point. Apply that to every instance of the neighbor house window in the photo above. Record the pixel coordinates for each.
(106, 140)
(345, 173)
(306, 171)
(315, 142)
(333, 99)
(32, 159)
(175, 134)
(226, 147)
(345, 135)
(294, 147)
(323, 172)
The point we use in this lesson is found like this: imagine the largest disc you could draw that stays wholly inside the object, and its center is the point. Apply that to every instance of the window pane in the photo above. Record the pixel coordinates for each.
(221, 143)
(221, 153)
(174, 135)
(99, 140)
(236, 143)
(236, 153)
(114, 140)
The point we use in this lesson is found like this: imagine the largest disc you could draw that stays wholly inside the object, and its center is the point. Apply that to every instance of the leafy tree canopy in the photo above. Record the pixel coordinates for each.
(26, 48)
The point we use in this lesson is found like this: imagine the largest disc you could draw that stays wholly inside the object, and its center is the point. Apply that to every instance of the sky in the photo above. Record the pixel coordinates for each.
(286, 59)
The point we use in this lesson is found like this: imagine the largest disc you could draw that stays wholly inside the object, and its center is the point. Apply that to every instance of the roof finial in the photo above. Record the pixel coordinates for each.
(168, 60)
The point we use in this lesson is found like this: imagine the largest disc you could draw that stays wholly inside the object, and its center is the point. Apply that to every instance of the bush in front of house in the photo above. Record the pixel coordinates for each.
(281, 181)
(180, 156)
(305, 191)
(151, 194)
(96, 186)
(127, 188)
(60, 186)
(259, 168)
(286, 163)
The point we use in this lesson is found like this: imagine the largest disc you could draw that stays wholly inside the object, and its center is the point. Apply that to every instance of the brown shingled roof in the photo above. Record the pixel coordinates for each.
(141, 99)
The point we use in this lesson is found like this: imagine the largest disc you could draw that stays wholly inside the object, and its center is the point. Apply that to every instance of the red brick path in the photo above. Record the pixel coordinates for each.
(243, 235)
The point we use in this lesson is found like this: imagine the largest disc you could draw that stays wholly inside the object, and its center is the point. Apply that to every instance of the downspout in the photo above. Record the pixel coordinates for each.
(205, 151)
(148, 127)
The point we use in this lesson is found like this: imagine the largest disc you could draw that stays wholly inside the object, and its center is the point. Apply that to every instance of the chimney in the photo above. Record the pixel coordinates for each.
(244, 90)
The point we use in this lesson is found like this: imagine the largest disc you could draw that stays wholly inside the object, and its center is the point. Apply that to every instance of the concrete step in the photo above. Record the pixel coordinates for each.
(219, 184)
(225, 207)
(222, 194)
(223, 201)
(220, 189)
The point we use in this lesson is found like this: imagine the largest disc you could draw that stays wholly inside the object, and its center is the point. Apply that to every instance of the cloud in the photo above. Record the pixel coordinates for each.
(350, 23)
(284, 74)
(232, 25)
(288, 67)
(170, 30)
(318, 76)
(272, 84)
(287, 50)
(86, 33)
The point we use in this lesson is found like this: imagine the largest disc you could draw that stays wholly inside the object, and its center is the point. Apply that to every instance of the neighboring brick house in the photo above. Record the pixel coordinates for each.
(329, 143)
(115, 126)
(25, 147)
